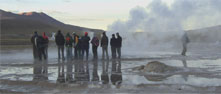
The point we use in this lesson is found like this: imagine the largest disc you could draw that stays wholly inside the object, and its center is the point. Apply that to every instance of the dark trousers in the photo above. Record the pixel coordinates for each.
(79, 53)
(76, 53)
(41, 51)
(35, 52)
(184, 50)
(94, 49)
(113, 51)
(60, 48)
(85, 50)
(69, 53)
(119, 51)
(105, 50)
(46, 51)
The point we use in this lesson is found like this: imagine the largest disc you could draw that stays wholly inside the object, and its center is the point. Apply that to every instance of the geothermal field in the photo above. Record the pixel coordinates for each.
(198, 72)
(154, 33)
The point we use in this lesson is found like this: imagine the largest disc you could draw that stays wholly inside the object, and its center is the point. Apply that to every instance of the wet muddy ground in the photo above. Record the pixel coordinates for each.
(19, 73)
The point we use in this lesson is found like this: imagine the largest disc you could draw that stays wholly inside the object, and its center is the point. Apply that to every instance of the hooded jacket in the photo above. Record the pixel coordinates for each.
(85, 42)
(113, 42)
(45, 39)
(118, 41)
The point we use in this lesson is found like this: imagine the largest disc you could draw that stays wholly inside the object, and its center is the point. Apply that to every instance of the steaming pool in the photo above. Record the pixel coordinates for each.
(19, 73)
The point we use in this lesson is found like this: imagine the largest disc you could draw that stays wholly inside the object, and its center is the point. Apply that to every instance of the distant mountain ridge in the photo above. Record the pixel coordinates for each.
(24, 24)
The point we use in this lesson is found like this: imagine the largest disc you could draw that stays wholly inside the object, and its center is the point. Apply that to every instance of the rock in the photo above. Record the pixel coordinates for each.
(163, 71)
(156, 67)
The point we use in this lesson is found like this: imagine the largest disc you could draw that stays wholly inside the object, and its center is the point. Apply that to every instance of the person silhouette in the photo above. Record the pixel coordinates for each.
(185, 41)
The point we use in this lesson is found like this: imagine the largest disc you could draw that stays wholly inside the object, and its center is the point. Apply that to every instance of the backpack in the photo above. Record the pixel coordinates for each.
(95, 41)
(68, 41)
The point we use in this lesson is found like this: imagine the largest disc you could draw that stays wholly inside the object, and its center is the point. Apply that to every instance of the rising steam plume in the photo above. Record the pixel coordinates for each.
(163, 24)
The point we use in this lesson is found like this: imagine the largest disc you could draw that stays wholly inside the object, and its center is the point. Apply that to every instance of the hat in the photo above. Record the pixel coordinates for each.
(73, 33)
(86, 33)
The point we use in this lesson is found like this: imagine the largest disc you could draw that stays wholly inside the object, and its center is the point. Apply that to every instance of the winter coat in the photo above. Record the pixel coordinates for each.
(118, 42)
(113, 42)
(76, 41)
(104, 41)
(41, 42)
(85, 42)
(79, 45)
(59, 39)
(95, 41)
(33, 38)
(45, 39)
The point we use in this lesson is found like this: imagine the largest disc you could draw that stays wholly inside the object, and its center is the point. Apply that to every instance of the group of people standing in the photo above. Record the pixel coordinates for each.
(81, 45)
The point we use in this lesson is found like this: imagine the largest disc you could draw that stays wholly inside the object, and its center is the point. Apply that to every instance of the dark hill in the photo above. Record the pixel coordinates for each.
(22, 26)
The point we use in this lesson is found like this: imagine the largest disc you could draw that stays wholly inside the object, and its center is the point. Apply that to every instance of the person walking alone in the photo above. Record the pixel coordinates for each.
(59, 39)
(118, 45)
(104, 45)
(95, 44)
(185, 41)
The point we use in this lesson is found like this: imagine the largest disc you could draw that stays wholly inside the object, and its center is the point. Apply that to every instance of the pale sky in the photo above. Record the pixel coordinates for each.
(96, 14)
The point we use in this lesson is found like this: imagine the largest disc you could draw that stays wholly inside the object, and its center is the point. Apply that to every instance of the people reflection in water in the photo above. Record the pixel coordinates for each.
(81, 71)
(69, 73)
(61, 75)
(95, 74)
(104, 75)
(116, 74)
(40, 71)
(62, 78)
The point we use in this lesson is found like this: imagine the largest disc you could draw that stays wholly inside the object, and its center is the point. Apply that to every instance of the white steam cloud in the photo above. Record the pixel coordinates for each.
(163, 24)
